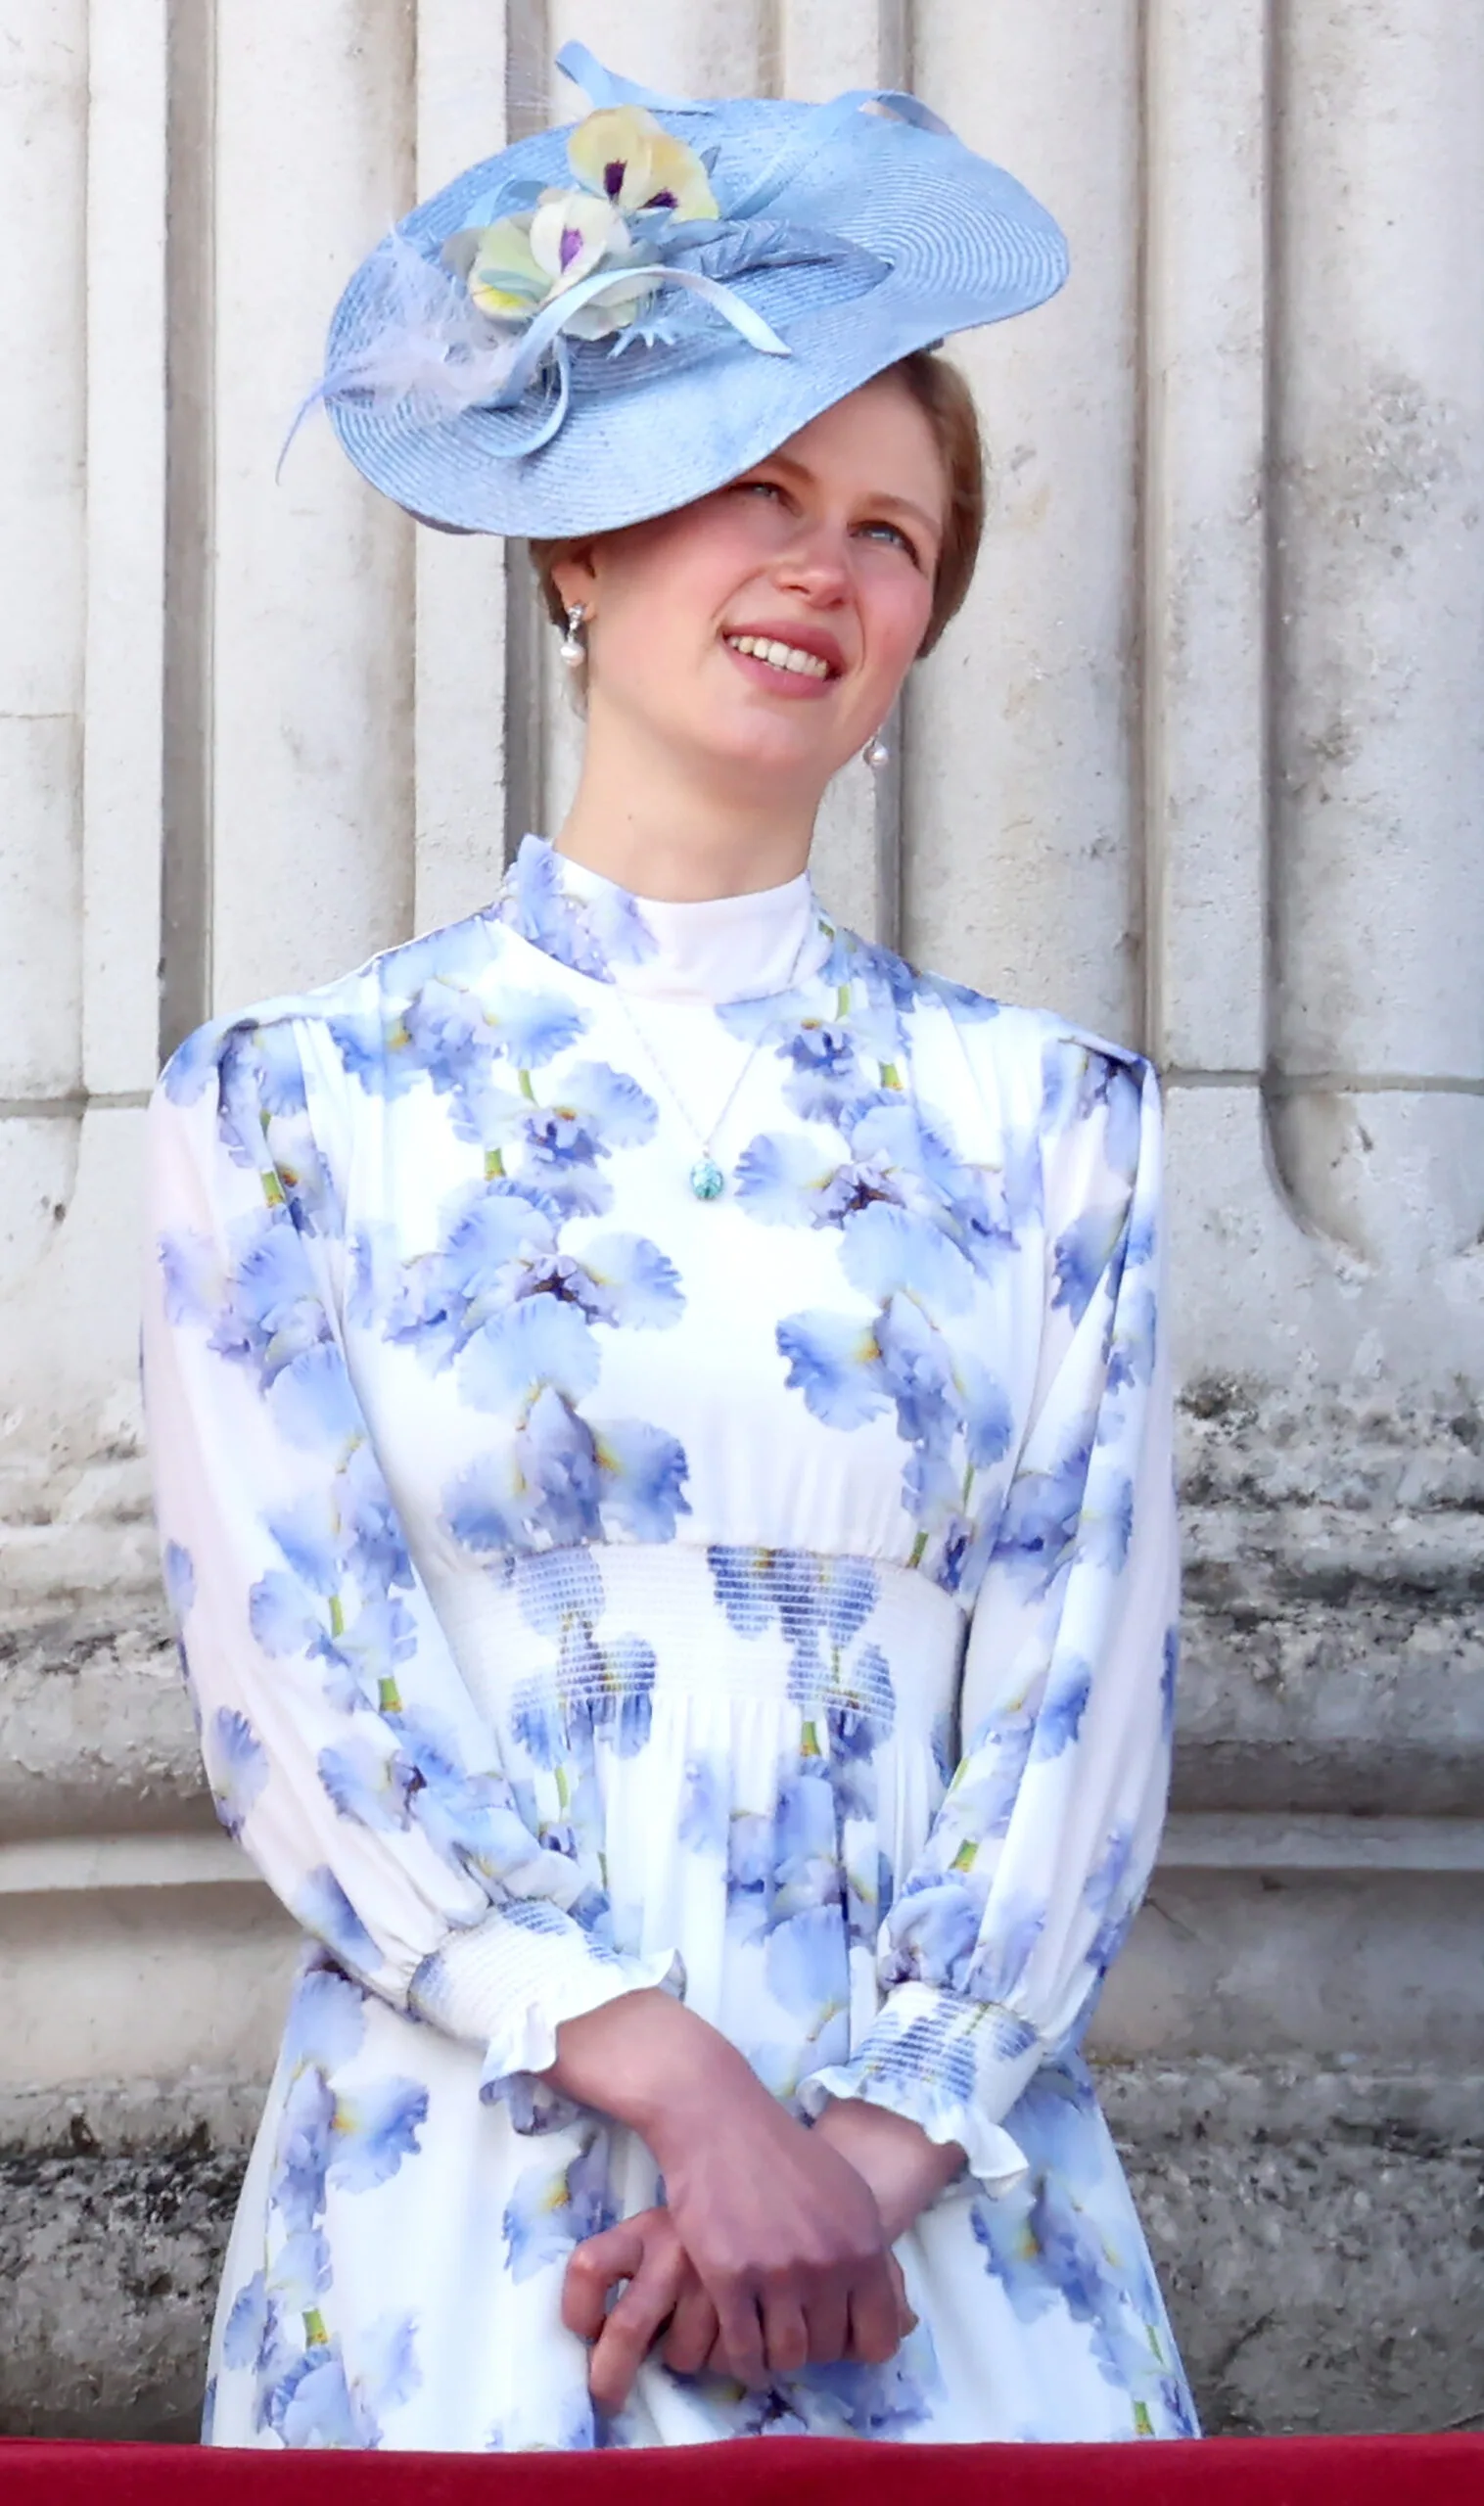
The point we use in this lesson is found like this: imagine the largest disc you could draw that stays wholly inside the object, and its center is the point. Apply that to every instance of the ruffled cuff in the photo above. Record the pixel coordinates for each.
(507, 1985)
(951, 2065)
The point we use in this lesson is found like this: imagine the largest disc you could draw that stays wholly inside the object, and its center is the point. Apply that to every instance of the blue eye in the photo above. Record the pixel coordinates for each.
(888, 531)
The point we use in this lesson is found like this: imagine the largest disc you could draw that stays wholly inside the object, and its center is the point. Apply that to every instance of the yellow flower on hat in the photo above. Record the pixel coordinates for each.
(502, 273)
(627, 157)
(626, 163)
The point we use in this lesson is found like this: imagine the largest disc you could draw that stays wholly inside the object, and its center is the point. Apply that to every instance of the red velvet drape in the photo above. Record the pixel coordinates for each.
(782, 2470)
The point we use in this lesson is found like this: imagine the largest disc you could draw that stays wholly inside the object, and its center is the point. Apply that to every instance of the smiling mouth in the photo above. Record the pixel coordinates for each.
(790, 657)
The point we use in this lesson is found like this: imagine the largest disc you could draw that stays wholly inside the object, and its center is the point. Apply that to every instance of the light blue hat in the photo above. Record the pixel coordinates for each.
(607, 321)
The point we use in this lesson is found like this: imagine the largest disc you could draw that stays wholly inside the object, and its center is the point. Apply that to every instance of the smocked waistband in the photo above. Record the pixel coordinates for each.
(809, 1630)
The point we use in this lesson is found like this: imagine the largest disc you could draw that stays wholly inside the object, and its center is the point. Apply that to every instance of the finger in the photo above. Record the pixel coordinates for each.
(693, 2332)
(876, 2318)
(906, 2320)
(739, 2334)
(630, 2326)
(786, 2342)
(591, 2271)
(829, 2327)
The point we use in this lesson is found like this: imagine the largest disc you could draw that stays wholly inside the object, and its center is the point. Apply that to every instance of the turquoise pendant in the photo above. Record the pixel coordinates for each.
(706, 1177)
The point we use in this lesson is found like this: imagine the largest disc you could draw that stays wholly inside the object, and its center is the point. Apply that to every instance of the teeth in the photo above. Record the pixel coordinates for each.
(765, 648)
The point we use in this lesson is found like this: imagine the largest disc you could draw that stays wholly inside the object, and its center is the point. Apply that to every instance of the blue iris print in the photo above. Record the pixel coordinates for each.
(259, 2335)
(593, 1111)
(449, 1029)
(918, 1226)
(401, 1771)
(336, 1599)
(1091, 1080)
(359, 1656)
(808, 1969)
(237, 1766)
(1047, 2242)
(330, 2136)
(562, 1480)
(1131, 1359)
(194, 1066)
(482, 1051)
(591, 931)
(903, 1182)
(1169, 1680)
(272, 1311)
(323, 1908)
(705, 1808)
(502, 1273)
(600, 1686)
(988, 1784)
(1036, 1538)
(325, 2139)
(179, 1579)
(559, 1479)
(1059, 1719)
(948, 1407)
(320, 2403)
(555, 2207)
(1083, 1255)
(1107, 1893)
(505, 1301)
(820, 1604)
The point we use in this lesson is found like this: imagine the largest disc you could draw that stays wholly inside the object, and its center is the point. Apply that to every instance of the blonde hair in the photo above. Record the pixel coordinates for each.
(947, 402)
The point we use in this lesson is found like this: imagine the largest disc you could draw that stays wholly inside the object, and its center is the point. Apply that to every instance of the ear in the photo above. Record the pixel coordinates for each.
(576, 577)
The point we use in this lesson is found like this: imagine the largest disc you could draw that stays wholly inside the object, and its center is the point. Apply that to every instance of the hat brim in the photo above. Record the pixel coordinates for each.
(959, 243)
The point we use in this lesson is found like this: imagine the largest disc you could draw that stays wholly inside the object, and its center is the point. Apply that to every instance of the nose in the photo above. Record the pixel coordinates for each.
(816, 563)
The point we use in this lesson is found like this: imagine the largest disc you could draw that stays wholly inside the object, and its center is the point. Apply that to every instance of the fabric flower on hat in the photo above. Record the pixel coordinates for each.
(626, 165)
(626, 157)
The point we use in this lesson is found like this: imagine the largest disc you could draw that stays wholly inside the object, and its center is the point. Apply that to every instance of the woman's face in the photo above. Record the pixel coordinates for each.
(770, 625)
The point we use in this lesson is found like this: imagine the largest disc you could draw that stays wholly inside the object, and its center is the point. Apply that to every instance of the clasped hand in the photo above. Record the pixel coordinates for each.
(773, 2249)
(769, 2256)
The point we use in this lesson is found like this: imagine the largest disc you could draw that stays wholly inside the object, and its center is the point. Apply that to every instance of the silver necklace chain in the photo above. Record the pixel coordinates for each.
(706, 1177)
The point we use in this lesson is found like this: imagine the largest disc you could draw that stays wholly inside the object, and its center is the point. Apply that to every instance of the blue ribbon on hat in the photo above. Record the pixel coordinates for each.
(602, 88)
(546, 326)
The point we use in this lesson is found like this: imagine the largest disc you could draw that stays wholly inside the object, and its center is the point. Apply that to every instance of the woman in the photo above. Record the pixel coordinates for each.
(662, 1443)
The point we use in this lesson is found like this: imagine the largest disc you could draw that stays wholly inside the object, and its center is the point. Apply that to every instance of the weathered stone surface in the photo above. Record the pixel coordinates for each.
(1334, 1654)
(109, 2251)
(1320, 2238)
(95, 1728)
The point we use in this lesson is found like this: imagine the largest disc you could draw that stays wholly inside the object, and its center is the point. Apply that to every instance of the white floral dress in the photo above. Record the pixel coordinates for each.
(584, 1585)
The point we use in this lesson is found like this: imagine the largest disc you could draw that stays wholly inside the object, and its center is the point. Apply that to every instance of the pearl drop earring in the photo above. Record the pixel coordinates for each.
(877, 754)
(574, 644)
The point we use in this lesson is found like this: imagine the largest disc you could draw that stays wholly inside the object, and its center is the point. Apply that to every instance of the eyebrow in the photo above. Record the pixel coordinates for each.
(899, 504)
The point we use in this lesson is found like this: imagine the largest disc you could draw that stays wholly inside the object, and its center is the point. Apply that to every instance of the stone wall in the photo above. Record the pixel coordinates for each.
(1201, 763)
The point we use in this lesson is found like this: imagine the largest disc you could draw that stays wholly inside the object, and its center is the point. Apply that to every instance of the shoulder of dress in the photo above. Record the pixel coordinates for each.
(281, 1028)
(1061, 1040)
(997, 1029)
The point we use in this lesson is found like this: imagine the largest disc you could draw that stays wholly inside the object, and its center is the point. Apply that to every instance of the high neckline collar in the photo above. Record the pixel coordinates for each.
(722, 948)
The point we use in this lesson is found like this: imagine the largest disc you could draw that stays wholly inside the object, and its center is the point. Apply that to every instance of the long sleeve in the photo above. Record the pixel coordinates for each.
(997, 1940)
(342, 1744)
